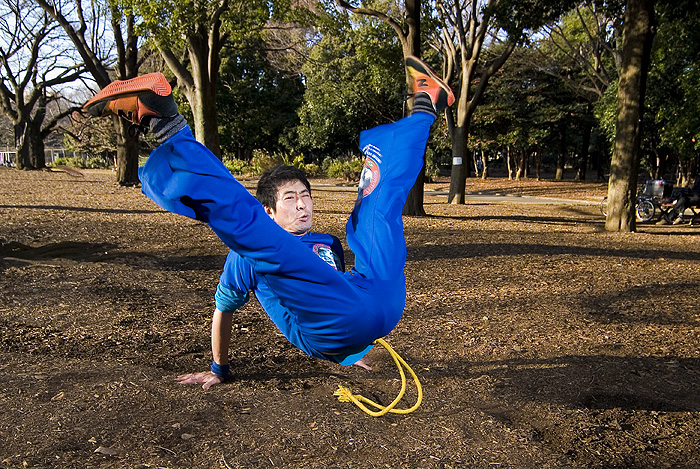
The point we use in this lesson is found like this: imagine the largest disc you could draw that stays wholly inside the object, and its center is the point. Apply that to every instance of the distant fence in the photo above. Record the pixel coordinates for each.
(8, 158)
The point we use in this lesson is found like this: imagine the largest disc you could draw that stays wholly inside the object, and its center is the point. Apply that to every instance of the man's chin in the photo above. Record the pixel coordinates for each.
(302, 230)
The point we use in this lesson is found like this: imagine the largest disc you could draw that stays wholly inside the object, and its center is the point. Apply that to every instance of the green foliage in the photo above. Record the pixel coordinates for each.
(174, 22)
(523, 107)
(432, 170)
(440, 143)
(337, 167)
(236, 166)
(263, 160)
(312, 170)
(580, 50)
(75, 161)
(298, 162)
(354, 80)
(673, 87)
(257, 103)
(606, 113)
(518, 17)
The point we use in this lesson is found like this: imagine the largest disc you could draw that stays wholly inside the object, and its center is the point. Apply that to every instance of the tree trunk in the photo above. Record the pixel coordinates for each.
(202, 96)
(523, 158)
(485, 169)
(585, 144)
(561, 156)
(409, 35)
(37, 157)
(127, 154)
(29, 146)
(460, 170)
(508, 160)
(22, 146)
(414, 201)
(637, 37)
(126, 67)
(658, 169)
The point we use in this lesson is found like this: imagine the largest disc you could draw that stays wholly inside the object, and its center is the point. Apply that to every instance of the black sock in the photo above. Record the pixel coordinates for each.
(165, 127)
(423, 103)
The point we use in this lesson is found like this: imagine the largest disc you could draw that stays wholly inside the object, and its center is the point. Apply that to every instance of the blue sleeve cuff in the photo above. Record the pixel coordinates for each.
(229, 300)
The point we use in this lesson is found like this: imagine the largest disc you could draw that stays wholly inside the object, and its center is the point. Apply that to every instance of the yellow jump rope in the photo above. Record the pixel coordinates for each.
(345, 395)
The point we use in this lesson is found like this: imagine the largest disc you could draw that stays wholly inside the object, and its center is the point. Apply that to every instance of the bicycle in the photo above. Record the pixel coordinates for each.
(646, 207)
(649, 198)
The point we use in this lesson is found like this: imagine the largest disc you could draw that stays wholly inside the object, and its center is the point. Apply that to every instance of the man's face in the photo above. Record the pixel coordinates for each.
(293, 208)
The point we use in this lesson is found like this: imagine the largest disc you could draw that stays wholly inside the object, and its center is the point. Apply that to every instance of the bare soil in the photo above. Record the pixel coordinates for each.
(540, 339)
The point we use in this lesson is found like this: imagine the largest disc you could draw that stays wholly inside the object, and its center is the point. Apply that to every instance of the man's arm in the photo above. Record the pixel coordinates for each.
(221, 335)
(220, 340)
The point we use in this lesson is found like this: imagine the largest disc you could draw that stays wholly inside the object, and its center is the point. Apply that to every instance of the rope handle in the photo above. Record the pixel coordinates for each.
(345, 395)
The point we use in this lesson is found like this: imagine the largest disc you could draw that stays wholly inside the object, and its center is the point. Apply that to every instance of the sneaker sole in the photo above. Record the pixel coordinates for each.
(153, 82)
(421, 67)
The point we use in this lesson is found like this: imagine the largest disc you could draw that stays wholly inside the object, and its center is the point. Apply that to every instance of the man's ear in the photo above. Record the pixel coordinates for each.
(270, 212)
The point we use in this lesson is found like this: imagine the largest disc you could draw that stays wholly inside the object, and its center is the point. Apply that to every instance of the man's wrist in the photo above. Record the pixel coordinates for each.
(220, 370)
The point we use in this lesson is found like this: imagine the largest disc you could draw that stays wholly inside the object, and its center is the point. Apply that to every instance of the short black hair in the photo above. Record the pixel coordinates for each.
(273, 178)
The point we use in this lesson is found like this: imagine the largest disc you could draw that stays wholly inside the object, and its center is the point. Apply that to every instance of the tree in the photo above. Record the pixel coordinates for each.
(35, 63)
(257, 102)
(407, 29)
(354, 80)
(637, 37)
(476, 40)
(190, 36)
(582, 50)
(525, 111)
(88, 31)
(673, 98)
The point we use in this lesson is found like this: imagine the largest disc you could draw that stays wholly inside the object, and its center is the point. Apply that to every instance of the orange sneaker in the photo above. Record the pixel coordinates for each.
(425, 79)
(134, 99)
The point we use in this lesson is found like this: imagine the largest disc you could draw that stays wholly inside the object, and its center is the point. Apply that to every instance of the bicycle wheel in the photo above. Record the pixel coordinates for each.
(604, 206)
(645, 210)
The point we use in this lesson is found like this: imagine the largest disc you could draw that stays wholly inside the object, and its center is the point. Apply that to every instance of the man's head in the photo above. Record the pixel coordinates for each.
(285, 193)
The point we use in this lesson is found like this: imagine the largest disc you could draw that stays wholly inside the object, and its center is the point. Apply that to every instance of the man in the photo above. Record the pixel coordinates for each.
(687, 197)
(327, 313)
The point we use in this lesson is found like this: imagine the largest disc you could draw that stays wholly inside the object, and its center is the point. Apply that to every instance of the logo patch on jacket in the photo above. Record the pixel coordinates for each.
(369, 178)
(325, 252)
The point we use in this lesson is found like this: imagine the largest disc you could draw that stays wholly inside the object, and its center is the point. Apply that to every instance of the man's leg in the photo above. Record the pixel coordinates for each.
(394, 157)
(318, 309)
(679, 209)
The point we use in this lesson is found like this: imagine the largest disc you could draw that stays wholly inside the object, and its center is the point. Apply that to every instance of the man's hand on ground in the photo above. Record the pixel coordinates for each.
(206, 378)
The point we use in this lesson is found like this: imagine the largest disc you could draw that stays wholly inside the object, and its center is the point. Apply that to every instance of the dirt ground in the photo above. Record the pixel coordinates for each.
(540, 340)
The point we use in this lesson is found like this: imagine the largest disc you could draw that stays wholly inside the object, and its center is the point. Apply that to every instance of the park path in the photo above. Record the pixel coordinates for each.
(481, 198)
(469, 197)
